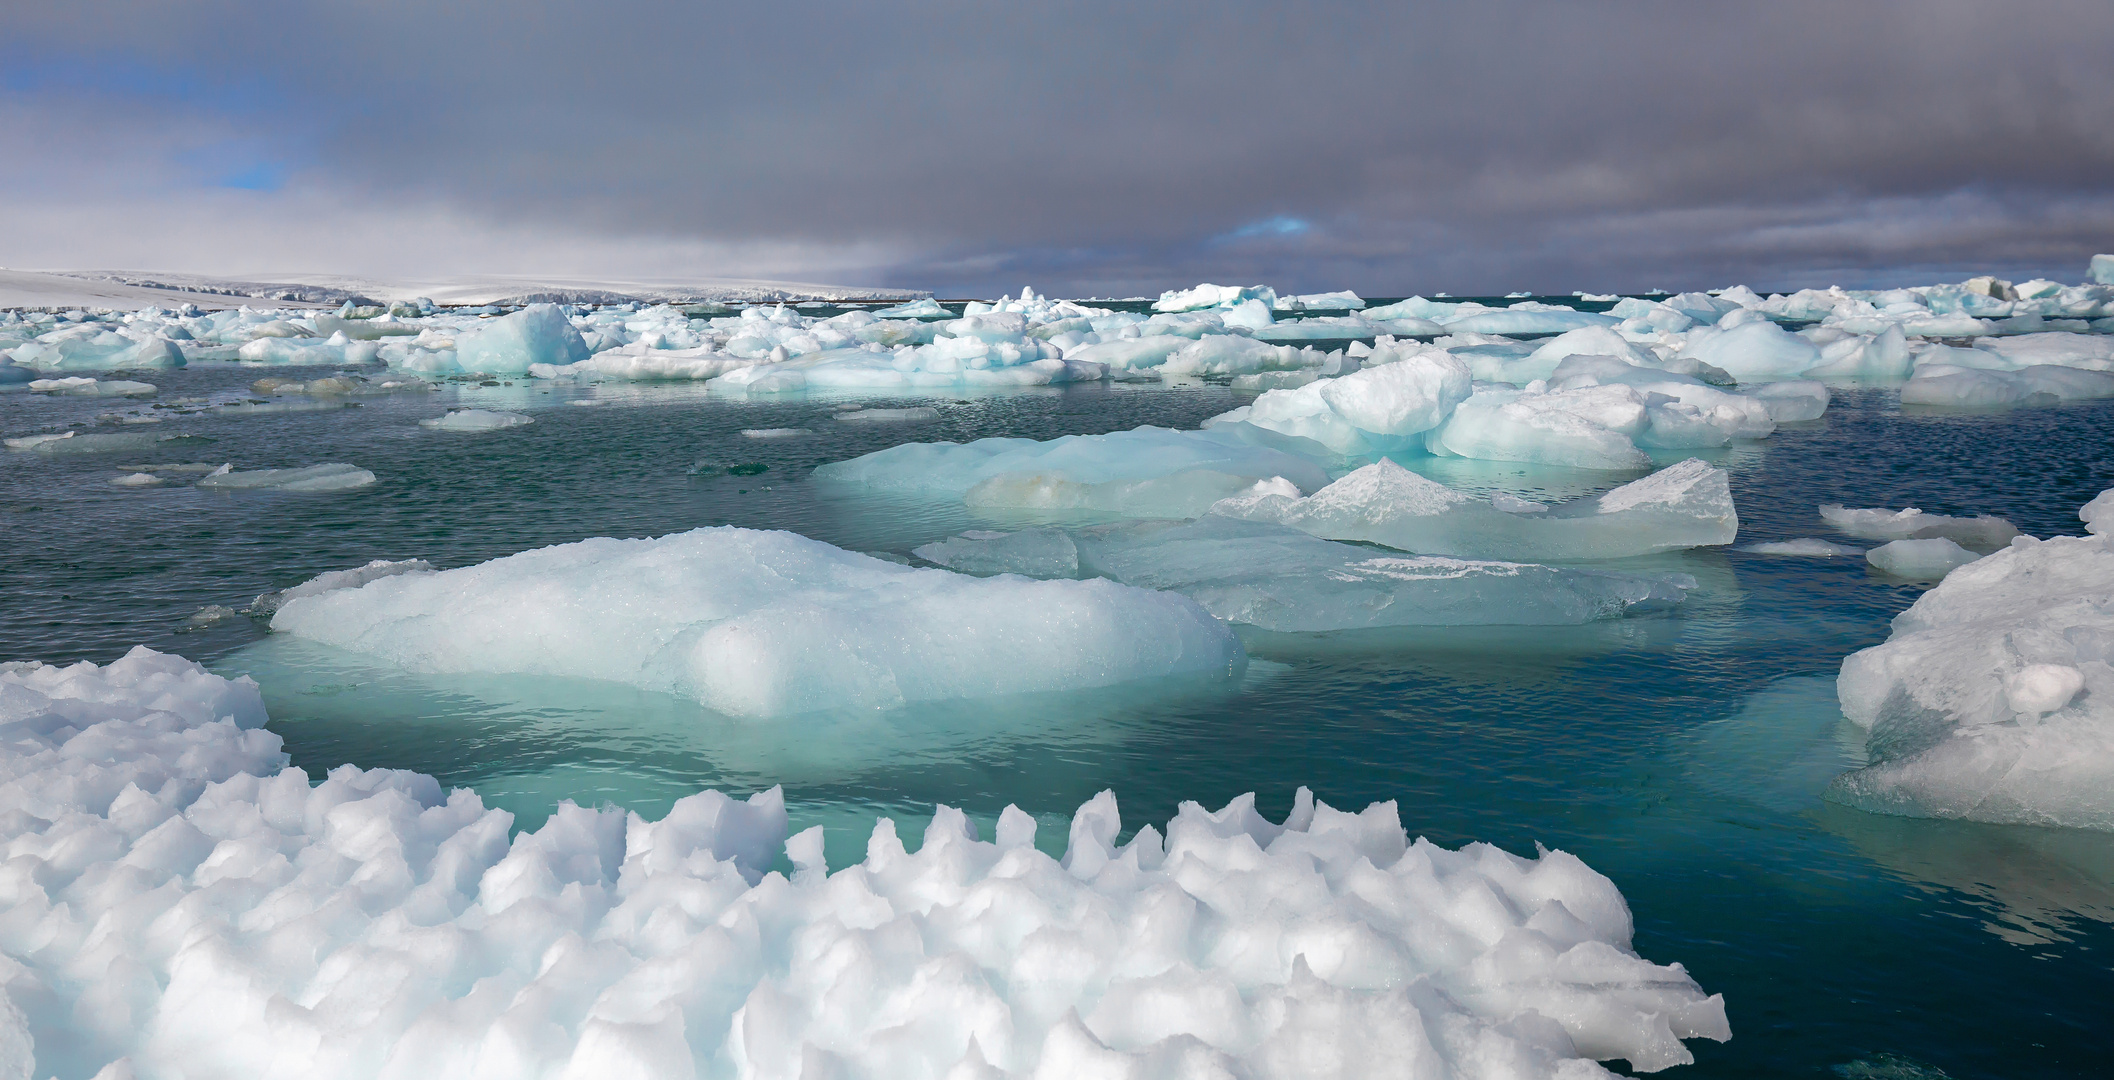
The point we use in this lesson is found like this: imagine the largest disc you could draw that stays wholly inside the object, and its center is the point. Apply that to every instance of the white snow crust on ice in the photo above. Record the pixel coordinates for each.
(471, 421)
(1143, 472)
(767, 624)
(1993, 698)
(330, 476)
(1277, 578)
(179, 902)
(1681, 506)
(1982, 533)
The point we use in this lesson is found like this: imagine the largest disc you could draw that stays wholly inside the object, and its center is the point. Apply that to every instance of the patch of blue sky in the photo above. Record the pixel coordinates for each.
(121, 75)
(1276, 227)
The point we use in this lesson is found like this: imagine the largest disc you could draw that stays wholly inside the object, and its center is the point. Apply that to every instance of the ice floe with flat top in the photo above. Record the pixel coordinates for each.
(1808, 546)
(331, 476)
(184, 903)
(1682, 506)
(1983, 532)
(766, 624)
(471, 421)
(81, 386)
(1993, 697)
(1277, 578)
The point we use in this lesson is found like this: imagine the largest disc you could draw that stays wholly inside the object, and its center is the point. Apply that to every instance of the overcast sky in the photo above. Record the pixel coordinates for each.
(1088, 148)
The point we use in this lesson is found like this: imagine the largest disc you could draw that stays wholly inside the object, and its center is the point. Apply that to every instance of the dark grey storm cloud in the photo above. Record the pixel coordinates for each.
(1100, 147)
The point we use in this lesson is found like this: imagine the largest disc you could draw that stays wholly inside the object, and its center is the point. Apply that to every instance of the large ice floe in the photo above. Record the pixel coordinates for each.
(766, 624)
(1993, 698)
(178, 902)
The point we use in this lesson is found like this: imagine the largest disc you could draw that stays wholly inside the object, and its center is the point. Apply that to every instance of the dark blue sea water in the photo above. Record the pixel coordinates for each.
(1682, 756)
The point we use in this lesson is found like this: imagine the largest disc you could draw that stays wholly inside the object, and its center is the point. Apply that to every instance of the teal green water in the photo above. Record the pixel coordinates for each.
(1683, 756)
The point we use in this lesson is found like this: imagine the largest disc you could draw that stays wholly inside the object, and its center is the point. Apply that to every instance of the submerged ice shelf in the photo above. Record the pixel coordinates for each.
(180, 901)
(1277, 578)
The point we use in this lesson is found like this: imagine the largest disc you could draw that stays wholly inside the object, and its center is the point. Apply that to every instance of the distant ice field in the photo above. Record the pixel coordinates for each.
(1684, 752)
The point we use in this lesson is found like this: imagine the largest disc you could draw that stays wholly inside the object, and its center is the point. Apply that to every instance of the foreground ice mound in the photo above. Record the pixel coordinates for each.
(1277, 578)
(1983, 533)
(180, 903)
(1143, 472)
(1681, 506)
(1993, 698)
(765, 624)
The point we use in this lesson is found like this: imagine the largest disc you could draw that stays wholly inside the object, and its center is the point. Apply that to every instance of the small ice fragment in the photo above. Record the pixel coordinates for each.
(920, 414)
(1805, 545)
(209, 615)
(1513, 504)
(475, 420)
(331, 476)
(1920, 560)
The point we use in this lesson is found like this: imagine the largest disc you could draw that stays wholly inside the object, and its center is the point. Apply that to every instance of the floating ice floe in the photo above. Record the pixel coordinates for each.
(1278, 578)
(1804, 546)
(1682, 506)
(74, 442)
(1984, 532)
(1993, 698)
(923, 414)
(184, 904)
(331, 476)
(1143, 472)
(766, 624)
(470, 421)
(80, 386)
(1978, 388)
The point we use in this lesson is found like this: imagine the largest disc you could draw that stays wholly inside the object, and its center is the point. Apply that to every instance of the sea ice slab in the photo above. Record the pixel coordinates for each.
(767, 624)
